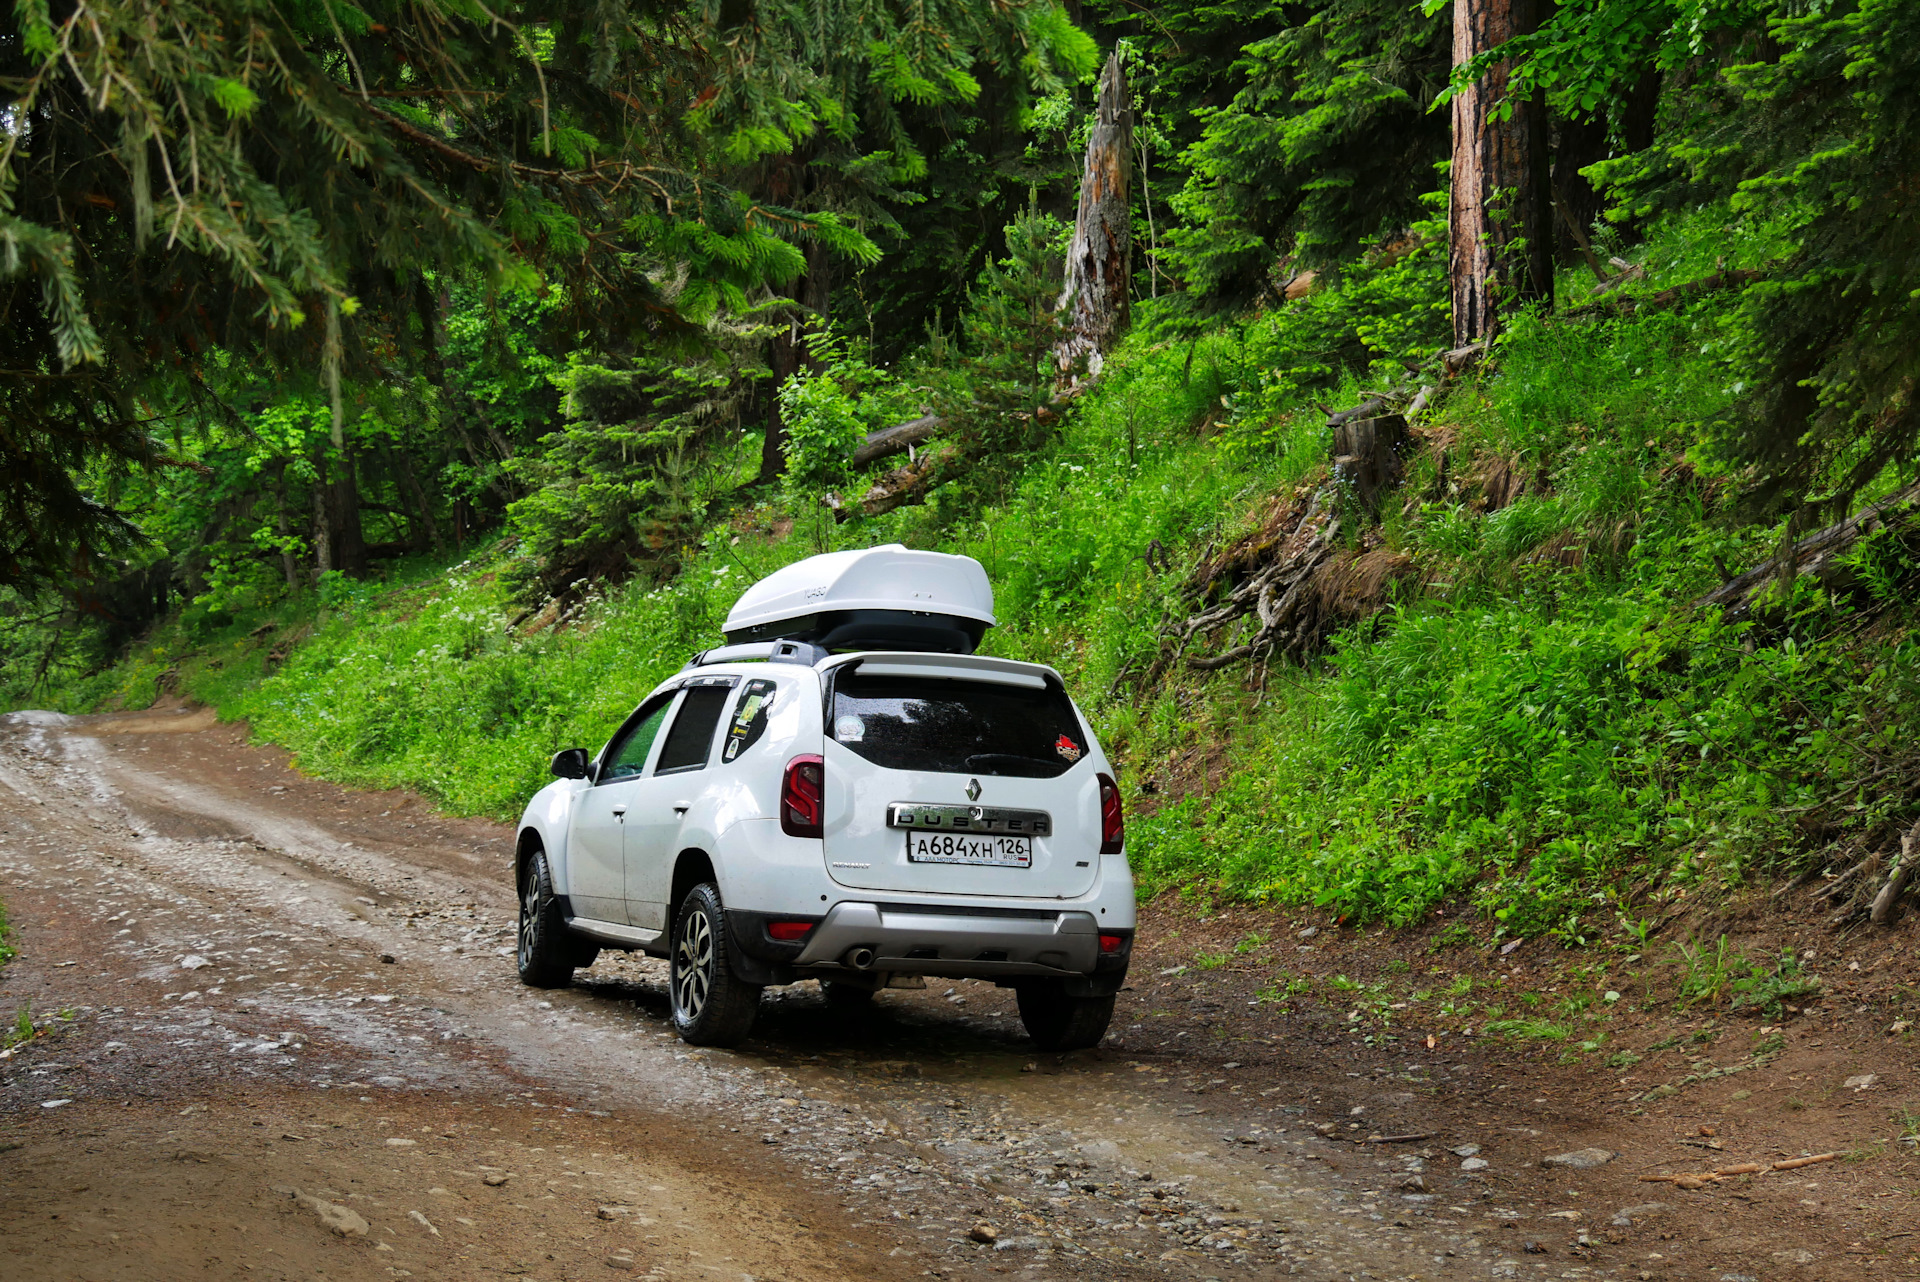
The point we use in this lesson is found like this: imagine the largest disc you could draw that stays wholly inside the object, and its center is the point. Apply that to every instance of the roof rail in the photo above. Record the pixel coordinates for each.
(800, 652)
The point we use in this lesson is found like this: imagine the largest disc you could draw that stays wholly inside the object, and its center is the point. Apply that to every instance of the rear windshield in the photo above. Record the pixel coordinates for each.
(956, 727)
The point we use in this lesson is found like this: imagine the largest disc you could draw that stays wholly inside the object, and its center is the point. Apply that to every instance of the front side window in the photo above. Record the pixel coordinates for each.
(956, 727)
(691, 738)
(628, 756)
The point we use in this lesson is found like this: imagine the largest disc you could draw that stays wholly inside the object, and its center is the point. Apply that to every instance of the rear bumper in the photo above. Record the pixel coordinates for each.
(1002, 944)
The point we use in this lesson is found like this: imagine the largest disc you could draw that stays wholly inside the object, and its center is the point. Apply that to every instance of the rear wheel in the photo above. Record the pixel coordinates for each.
(547, 953)
(1057, 1022)
(711, 1007)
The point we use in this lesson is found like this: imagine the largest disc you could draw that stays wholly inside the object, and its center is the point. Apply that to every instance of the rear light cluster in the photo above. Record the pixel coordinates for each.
(1113, 827)
(803, 791)
(1111, 943)
(789, 931)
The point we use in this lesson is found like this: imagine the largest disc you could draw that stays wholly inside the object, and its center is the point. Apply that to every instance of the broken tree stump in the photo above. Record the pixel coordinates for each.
(1099, 262)
(1368, 456)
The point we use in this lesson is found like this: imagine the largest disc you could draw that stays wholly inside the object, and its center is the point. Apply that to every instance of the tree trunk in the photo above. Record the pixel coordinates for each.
(283, 525)
(1098, 294)
(1501, 235)
(814, 292)
(1577, 144)
(322, 518)
(349, 540)
(411, 480)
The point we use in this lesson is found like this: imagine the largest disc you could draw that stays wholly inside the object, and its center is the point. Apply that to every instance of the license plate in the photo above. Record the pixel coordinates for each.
(965, 848)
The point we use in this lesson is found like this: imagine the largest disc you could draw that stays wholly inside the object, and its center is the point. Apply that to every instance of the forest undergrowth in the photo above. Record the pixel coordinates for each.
(1532, 714)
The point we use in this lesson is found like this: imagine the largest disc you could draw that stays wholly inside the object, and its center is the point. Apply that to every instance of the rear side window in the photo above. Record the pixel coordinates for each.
(749, 717)
(691, 737)
(956, 727)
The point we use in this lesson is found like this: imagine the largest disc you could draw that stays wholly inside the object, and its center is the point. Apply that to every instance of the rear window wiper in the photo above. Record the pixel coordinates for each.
(1012, 761)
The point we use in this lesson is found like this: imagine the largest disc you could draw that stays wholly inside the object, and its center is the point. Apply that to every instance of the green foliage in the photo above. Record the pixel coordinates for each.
(7, 951)
(1766, 988)
(646, 443)
(1799, 136)
(1389, 311)
(1013, 324)
(1323, 150)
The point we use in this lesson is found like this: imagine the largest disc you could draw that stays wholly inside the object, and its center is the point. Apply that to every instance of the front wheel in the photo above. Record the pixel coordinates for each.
(1057, 1022)
(711, 1007)
(548, 953)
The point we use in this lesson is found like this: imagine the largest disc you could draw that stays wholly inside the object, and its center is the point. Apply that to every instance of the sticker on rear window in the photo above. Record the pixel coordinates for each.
(1067, 748)
(749, 718)
(849, 729)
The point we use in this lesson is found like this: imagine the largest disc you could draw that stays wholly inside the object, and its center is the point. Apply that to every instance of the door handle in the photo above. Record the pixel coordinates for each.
(681, 807)
(620, 812)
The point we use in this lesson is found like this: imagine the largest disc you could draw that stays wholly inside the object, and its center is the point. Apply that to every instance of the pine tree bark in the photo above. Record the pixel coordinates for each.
(1097, 299)
(1500, 222)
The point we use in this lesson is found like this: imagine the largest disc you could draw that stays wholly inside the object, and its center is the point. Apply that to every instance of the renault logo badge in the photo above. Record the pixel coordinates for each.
(973, 790)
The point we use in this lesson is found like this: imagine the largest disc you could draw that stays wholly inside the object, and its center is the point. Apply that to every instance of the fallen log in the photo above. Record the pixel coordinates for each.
(897, 439)
(1817, 554)
(1729, 279)
(1457, 361)
(908, 484)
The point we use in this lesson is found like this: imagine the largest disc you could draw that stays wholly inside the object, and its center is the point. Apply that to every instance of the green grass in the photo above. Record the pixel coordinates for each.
(7, 951)
(1531, 1029)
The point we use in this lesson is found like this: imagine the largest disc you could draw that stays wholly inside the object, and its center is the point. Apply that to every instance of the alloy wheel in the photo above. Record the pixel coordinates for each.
(693, 958)
(529, 916)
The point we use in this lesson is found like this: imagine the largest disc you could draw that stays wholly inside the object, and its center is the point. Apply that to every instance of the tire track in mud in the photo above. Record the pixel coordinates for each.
(234, 925)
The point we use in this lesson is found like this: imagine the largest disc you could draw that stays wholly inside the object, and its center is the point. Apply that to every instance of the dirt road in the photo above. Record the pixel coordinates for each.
(296, 1048)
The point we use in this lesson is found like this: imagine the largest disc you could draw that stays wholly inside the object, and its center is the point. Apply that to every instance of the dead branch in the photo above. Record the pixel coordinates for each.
(1795, 1163)
(1888, 899)
(1700, 1179)
(1816, 554)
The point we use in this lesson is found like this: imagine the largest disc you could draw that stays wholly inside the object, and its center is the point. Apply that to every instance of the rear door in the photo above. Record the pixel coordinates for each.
(963, 781)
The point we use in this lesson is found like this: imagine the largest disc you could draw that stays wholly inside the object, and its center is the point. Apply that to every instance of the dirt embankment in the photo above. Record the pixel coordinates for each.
(295, 1048)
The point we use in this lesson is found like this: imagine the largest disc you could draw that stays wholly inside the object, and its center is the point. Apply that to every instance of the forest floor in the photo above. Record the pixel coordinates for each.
(291, 1045)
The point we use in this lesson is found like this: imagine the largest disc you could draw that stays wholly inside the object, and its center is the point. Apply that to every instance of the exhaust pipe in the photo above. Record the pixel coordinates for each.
(860, 958)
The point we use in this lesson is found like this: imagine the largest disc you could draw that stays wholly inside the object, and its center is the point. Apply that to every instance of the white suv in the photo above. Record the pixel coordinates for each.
(778, 811)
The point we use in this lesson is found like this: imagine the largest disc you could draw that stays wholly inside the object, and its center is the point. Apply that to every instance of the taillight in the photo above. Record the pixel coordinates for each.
(1113, 828)
(1111, 943)
(803, 797)
(788, 931)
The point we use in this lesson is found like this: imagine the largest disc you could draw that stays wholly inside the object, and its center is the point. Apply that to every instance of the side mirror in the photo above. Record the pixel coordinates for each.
(570, 763)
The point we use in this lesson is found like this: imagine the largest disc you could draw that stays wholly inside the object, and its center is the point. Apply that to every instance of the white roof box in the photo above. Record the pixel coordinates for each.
(884, 598)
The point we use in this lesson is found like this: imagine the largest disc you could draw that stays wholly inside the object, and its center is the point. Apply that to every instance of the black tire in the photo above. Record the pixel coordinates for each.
(1057, 1022)
(711, 1007)
(848, 999)
(547, 953)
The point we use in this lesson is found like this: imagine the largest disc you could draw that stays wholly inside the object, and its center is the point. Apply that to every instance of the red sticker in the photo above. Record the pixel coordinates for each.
(1067, 748)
